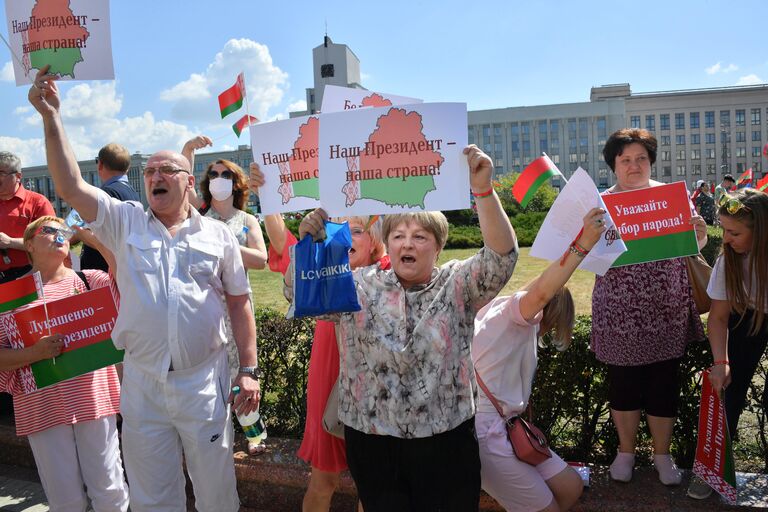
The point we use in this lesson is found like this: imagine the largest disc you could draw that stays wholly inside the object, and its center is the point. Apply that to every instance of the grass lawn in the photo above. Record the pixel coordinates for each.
(268, 286)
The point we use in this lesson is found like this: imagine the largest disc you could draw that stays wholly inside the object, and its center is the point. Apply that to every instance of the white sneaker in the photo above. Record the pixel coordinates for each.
(698, 489)
(622, 466)
(668, 472)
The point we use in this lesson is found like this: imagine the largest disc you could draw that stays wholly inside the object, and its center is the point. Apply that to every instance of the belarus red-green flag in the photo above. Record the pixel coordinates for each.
(653, 222)
(20, 291)
(232, 99)
(533, 177)
(745, 179)
(246, 120)
(85, 320)
(762, 184)
(714, 452)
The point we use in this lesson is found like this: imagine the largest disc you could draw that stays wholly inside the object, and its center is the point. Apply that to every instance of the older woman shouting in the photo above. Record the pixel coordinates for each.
(406, 375)
(70, 425)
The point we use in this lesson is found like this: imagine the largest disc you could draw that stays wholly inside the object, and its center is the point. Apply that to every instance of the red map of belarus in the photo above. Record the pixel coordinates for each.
(58, 44)
(388, 174)
(299, 175)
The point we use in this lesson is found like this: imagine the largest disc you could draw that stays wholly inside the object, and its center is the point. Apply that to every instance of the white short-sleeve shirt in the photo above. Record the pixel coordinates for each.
(716, 287)
(171, 288)
(504, 353)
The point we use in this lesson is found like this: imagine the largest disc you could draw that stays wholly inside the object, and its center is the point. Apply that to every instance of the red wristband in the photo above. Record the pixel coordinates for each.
(721, 362)
(484, 194)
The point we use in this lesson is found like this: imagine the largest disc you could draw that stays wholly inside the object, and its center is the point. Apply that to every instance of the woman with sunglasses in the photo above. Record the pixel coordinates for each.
(325, 453)
(643, 317)
(738, 317)
(71, 426)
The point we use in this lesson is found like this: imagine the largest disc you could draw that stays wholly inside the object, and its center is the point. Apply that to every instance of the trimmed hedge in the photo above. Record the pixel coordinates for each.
(569, 398)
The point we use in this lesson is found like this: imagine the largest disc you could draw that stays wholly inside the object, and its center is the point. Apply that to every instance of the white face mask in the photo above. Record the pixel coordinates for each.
(220, 188)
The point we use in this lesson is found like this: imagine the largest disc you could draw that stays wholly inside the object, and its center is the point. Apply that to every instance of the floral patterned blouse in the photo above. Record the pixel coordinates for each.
(406, 368)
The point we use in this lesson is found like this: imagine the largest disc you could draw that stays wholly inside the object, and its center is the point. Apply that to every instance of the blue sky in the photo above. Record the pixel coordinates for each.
(172, 57)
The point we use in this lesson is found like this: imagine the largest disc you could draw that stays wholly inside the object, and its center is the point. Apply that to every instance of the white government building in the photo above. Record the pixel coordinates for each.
(702, 133)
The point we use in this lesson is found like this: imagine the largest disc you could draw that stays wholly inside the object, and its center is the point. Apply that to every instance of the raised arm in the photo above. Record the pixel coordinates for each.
(188, 151)
(498, 234)
(62, 164)
(554, 277)
(255, 252)
(274, 223)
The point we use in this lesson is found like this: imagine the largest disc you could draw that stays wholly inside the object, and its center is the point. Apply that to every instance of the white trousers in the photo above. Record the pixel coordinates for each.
(71, 456)
(188, 412)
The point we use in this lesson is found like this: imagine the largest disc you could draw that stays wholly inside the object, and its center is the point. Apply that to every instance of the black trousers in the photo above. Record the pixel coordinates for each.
(437, 473)
(744, 353)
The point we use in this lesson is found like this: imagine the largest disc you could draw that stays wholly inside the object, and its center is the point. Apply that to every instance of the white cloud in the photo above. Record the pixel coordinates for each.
(30, 151)
(195, 98)
(750, 80)
(24, 109)
(88, 102)
(6, 74)
(718, 68)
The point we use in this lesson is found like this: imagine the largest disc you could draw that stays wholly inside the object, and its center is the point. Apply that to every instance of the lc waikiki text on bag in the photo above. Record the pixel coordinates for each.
(322, 280)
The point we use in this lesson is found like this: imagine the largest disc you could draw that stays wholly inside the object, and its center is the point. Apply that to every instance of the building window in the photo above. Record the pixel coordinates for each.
(543, 145)
(665, 140)
(555, 159)
(741, 136)
(709, 119)
(526, 129)
(326, 71)
(634, 122)
(695, 154)
(680, 139)
(571, 128)
(665, 156)
(694, 120)
(755, 116)
(681, 170)
(680, 121)
(681, 154)
(695, 138)
(711, 168)
(741, 152)
(663, 121)
(739, 167)
(497, 130)
(709, 153)
(602, 132)
(740, 117)
(584, 157)
(667, 170)
(650, 123)
(486, 130)
(725, 118)
(756, 136)
(756, 151)
(497, 147)
(487, 148)
(572, 158)
(696, 169)
(471, 137)
(526, 147)
(554, 129)
(709, 138)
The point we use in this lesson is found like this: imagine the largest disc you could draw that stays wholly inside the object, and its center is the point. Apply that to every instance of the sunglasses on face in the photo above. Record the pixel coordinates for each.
(227, 175)
(731, 204)
(63, 233)
(165, 170)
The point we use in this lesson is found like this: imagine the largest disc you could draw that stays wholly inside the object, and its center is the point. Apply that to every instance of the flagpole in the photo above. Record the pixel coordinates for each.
(247, 108)
(45, 307)
(553, 163)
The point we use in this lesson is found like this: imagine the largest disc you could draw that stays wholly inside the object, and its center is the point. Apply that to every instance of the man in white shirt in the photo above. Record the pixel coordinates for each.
(172, 267)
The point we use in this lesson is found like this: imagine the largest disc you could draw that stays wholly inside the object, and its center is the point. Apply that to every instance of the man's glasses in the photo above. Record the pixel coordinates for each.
(61, 234)
(165, 170)
(4, 174)
(731, 204)
(227, 174)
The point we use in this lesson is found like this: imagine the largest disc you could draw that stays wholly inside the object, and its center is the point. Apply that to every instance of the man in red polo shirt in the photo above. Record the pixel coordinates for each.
(18, 207)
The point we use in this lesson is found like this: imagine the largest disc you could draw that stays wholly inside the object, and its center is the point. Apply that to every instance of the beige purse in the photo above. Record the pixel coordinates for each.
(698, 277)
(331, 422)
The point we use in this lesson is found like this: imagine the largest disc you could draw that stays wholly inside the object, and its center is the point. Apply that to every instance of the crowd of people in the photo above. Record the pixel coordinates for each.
(419, 434)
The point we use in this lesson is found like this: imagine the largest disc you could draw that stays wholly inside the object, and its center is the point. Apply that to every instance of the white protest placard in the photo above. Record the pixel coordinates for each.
(336, 99)
(287, 153)
(394, 159)
(72, 36)
(566, 218)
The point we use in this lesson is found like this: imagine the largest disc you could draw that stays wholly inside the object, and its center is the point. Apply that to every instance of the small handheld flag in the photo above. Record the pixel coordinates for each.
(745, 179)
(20, 292)
(533, 177)
(762, 184)
(232, 99)
(246, 120)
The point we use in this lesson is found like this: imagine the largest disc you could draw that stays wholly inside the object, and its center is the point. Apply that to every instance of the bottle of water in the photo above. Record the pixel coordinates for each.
(253, 427)
(74, 219)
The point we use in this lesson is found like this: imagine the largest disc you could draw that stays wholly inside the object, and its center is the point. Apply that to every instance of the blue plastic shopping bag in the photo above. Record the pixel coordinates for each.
(322, 280)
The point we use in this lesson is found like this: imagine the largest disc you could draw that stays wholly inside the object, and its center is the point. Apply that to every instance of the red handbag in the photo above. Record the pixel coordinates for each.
(527, 440)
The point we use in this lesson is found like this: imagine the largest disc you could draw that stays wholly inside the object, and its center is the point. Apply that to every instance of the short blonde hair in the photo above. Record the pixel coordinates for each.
(374, 230)
(31, 229)
(560, 316)
(434, 222)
